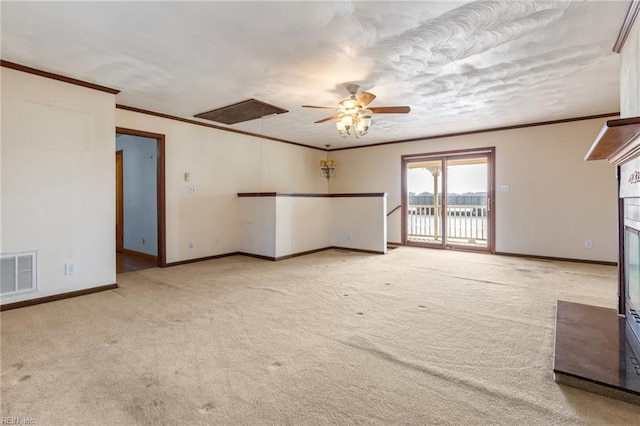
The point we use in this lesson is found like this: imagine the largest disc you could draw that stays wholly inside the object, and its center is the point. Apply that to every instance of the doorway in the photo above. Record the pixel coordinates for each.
(119, 202)
(447, 200)
(140, 200)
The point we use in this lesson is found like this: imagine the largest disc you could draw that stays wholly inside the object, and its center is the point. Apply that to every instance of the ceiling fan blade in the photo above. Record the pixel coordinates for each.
(333, 117)
(390, 110)
(318, 107)
(364, 99)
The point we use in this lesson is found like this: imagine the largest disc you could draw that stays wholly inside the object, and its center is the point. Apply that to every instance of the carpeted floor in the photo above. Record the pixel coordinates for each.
(413, 337)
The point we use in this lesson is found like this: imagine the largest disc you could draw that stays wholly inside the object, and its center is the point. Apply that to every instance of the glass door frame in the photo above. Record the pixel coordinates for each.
(443, 156)
(439, 210)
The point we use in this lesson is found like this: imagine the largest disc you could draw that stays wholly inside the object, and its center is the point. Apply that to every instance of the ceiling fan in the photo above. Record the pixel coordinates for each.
(354, 114)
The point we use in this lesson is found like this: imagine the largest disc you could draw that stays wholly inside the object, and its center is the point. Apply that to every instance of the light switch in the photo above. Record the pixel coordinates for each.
(69, 268)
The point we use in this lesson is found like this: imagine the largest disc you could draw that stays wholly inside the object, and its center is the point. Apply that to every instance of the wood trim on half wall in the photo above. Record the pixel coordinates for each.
(271, 258)
(160, 186)
(46, 74)
(202, 259)
(311, 195)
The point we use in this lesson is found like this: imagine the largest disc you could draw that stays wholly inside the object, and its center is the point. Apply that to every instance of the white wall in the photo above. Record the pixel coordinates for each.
(257, 225)
(283, 225)
(302, 224)
(556, 200)
(58, 182)
(58, 192)
(221, 164)
(630, 74)
(359, 223)
(139, 163)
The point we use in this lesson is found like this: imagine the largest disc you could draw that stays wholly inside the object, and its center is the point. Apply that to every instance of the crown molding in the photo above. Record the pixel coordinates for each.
(473, 132)
(34, 71)
(632, 13)
(212, 126)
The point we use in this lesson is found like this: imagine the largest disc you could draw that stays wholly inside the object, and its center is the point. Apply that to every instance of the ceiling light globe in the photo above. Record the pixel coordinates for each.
(366, 122)
(347, 121)
(341, 128)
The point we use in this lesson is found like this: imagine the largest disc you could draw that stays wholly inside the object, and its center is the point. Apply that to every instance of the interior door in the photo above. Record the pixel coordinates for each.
(119, 203)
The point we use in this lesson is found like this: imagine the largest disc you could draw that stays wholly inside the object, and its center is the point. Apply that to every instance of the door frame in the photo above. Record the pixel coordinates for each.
(442, 155)
(119, 201)
(160, 187)
(443, 206)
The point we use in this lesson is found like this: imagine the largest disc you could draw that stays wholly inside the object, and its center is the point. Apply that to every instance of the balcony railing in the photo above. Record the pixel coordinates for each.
(466, 224)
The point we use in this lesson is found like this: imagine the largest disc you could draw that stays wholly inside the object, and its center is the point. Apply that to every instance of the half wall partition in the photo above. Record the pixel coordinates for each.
(277, 225)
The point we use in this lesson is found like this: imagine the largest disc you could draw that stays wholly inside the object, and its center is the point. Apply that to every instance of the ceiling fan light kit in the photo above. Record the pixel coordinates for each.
(357, 123)
(353, 115)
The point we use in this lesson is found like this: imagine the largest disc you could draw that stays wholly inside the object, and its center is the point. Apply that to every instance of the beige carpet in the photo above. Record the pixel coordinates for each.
(413, 337)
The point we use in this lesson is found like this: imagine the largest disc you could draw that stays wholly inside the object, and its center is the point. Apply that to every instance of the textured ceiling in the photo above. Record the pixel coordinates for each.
(460, 65)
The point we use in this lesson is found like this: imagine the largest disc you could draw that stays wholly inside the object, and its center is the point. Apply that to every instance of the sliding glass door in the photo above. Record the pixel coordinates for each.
(424, 212)
(447, 200)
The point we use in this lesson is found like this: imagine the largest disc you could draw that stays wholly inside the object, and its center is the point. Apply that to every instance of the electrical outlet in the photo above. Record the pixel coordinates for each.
(588, 244)
(192, 189)
(144, 241)
(349, 236)
(504, 188)
(190, 244)
(217, 242)
(69, 268)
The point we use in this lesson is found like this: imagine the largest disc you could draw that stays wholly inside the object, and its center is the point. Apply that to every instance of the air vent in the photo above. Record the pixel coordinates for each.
(17, 273)
(241, 112)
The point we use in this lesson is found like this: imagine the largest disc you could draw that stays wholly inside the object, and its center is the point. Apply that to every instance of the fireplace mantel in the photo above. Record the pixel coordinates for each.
(598, 349)
(615, 142)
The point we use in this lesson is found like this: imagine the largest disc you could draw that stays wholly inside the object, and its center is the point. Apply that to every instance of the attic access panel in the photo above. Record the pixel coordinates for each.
(241, 112)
